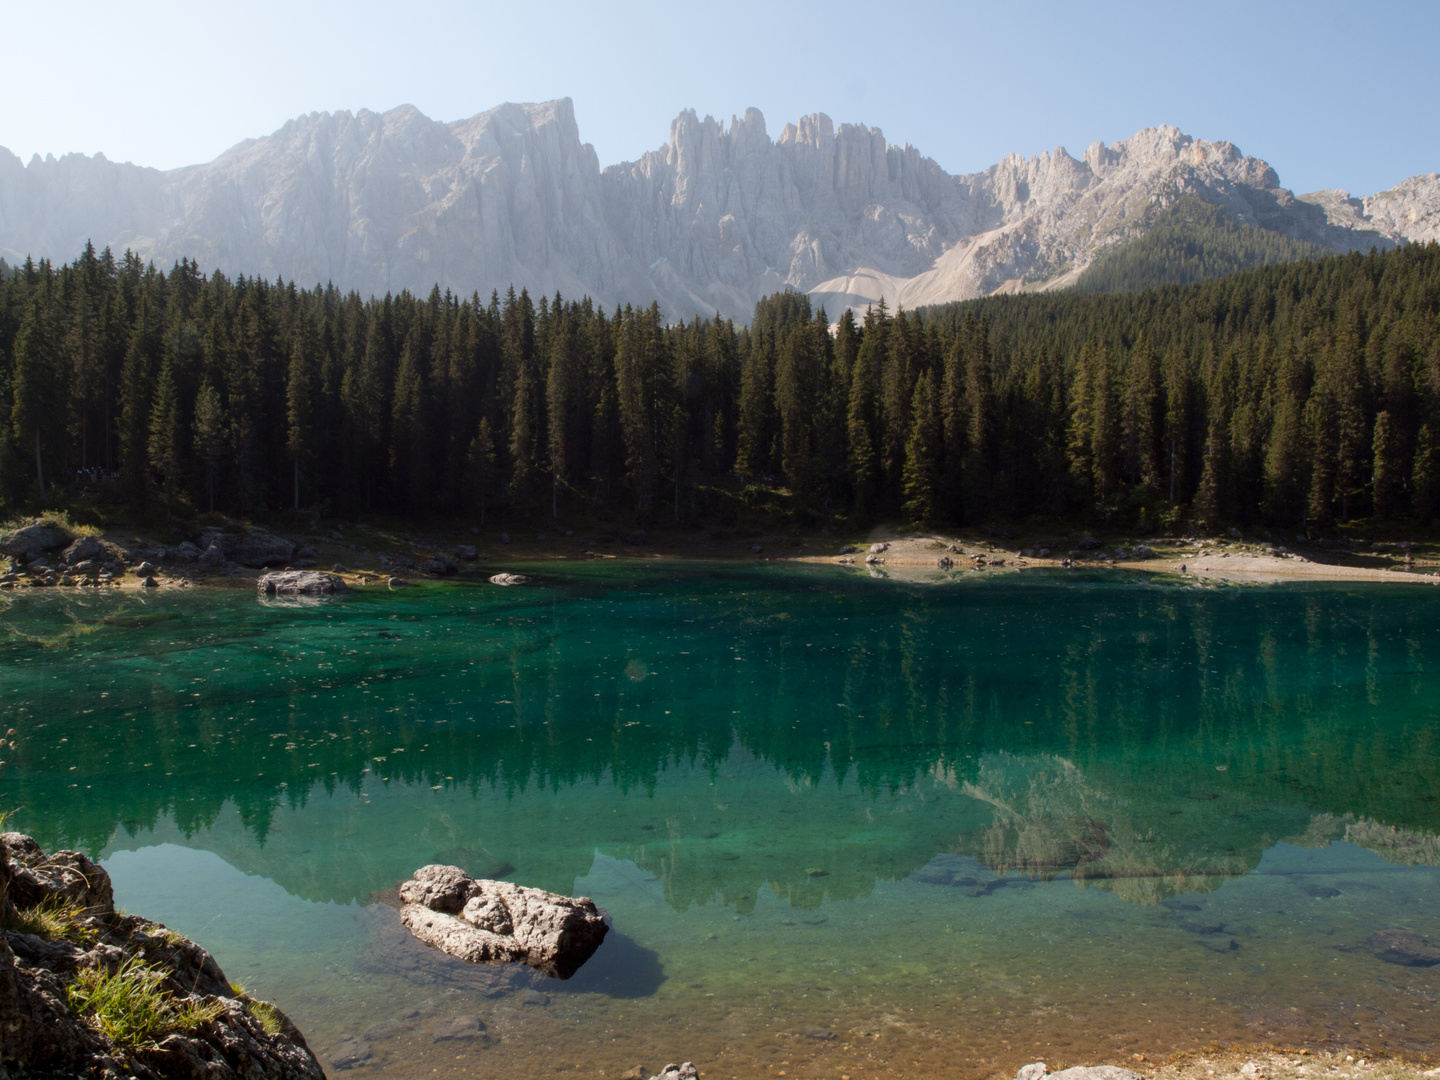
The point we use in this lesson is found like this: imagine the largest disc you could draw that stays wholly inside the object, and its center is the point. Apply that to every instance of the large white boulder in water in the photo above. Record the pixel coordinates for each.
(300, 583)
(497, 922)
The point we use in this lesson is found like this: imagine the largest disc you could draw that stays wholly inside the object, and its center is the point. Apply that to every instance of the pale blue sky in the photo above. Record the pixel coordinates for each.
(1330, 94)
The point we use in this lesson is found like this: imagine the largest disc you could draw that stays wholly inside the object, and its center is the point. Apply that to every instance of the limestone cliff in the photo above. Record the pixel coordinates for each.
(718, 216)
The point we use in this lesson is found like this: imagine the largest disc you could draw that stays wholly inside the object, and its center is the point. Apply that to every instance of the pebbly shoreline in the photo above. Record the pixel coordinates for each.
(48, 554)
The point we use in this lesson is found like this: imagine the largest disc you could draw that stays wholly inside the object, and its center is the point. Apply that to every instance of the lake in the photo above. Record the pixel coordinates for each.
(844, 826)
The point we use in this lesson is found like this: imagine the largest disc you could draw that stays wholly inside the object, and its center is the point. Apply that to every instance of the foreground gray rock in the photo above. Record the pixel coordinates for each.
(87, 547)
(300, 583)
(232, 1036)
(496, 922)
(33, 540)
(259, 549)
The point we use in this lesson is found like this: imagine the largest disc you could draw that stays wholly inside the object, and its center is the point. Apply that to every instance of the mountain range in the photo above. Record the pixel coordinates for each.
(717, 217)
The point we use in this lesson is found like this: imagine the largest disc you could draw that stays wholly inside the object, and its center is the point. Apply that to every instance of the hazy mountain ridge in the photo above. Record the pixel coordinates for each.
(715, 218)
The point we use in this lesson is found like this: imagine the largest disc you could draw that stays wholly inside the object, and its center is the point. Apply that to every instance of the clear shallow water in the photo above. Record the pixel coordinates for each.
(959, 825)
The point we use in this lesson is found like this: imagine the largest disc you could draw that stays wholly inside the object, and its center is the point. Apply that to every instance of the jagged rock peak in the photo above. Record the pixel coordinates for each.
(714, 218)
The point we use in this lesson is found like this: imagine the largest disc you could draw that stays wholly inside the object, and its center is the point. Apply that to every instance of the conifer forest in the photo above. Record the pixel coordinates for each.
(1299, 394)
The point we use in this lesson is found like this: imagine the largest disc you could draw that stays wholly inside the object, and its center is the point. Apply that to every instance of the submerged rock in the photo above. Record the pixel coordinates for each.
(351, 1053)
(1403, 947)
(300, 583)
(496, 922)
(458, 1028)
(207, 1028)
(509, 579)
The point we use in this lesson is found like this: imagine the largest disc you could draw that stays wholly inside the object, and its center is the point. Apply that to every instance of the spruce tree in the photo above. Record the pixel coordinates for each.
(34, 412)
(166, 449)
(211, 436)
(1425, 475)
(483, 468)
(921, 452)
(1388, 477)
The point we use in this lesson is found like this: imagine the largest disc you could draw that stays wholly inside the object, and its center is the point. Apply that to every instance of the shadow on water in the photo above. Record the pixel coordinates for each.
(620, 968)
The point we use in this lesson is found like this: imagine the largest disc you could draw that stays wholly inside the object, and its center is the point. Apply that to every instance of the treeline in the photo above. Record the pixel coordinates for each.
(1294, 394)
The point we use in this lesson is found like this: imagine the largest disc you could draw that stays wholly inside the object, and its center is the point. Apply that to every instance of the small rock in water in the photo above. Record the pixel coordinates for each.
(637, 1073)
(399, 583)
(533, 997)
(1219, 944)
(1403, 947)
(1322, 892)
(821, 1034)
(351, 1053)
(686, 1071)
(458, 1027)
(509, 579)
(1034, 1071)
(150, 583)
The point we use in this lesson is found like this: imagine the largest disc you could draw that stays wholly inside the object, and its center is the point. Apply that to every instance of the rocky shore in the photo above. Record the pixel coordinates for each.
(50, 553)
(86, 990)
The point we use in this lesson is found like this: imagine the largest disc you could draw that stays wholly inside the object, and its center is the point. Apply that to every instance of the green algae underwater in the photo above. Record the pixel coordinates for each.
(843, 826)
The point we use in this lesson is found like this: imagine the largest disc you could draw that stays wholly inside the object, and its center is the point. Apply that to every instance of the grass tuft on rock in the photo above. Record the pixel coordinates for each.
(268, 1015)
(53, 920)
(131, 1007)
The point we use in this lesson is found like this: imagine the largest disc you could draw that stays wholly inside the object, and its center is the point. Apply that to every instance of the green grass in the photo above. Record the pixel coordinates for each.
(54, 920)
(268, 1015)
(263, 1011)
(55, 519)
(132, 1008)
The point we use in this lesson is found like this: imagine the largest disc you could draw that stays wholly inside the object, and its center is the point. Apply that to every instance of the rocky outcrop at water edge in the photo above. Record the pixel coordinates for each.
(62, 943)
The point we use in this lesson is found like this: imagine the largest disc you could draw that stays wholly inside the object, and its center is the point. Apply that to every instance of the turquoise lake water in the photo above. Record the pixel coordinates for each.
(843, 826)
